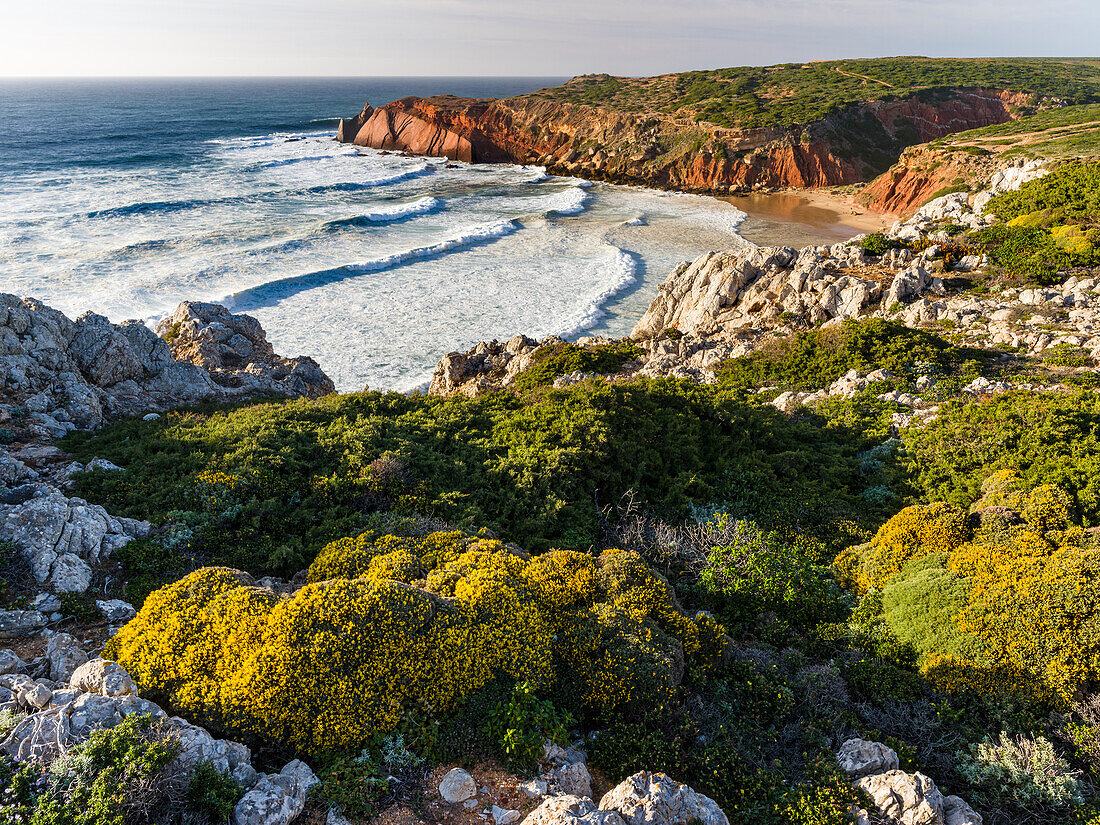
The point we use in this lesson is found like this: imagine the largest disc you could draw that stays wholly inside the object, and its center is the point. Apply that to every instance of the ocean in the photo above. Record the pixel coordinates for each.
(125, 197)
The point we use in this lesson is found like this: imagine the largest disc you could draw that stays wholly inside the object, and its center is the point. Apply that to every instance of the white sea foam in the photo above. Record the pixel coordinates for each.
(420, 206)
(569, 201)
(496, 229)
(623, 271)
(442, 255)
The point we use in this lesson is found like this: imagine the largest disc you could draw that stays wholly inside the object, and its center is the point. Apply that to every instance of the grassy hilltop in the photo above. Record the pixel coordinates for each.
(801, 93)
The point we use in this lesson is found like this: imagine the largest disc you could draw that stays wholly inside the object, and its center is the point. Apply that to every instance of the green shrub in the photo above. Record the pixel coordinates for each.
(212, 792)
(921, 607)
(1022, 770)
(353, 785)
(1026, 252)
(1044, 438)
(1071, 190)
(877, 679)
(120, 775)
(539, 470)
(80, 606)
(552, 362)
(877, 243)
(813, 359)
(762, 572)
(523, 723)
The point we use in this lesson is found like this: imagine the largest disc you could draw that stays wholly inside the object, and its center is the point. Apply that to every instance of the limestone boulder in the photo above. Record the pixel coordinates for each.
(655, 799)
(103, 677)
(859, 758)
(572, 779)
(10, 662)
(457, 786)
(64, 654)
(276, 799)
(62, 537)
(571, 810)
(197, 745)
(910, 799)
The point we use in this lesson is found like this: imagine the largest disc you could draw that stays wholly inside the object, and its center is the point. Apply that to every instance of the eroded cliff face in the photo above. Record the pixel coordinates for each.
(657, 150)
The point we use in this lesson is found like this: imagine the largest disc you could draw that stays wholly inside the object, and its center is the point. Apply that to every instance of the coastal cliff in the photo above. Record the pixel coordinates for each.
(669, 152)
(966, 160)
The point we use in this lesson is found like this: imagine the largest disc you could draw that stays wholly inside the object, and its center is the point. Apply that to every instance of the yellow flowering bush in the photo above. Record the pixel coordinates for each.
(389, 625)
(915, 532)
(1012, 608)
(1047, 507)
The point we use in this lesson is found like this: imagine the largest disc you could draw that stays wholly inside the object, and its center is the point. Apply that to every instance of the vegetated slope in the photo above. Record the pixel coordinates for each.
(801, 125)
(966, 160)
(798, 94)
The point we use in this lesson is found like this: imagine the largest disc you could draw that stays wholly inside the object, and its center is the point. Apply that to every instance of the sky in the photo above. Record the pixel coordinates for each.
(515, 37)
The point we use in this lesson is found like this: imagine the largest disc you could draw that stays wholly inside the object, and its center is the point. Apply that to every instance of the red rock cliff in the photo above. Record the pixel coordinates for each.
(660, 151)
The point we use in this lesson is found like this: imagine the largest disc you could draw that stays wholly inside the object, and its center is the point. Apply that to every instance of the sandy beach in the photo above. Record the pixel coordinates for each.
(798, 218)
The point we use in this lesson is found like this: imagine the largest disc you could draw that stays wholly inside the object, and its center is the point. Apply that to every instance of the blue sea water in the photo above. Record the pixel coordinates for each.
(125, 197)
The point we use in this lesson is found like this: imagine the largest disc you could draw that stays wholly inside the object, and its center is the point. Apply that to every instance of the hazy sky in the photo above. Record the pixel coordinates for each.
(515, 37)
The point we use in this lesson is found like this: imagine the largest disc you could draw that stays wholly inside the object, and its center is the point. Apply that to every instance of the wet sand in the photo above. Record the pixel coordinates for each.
(807, 217)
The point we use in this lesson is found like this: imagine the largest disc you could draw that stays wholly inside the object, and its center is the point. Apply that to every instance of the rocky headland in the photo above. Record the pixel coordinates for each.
(660, 151)
(736, 130)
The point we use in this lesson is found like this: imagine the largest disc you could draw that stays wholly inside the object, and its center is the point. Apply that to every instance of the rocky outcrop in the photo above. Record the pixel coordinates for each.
(63, 713)
(899, 797)
(234, 351)
(57, 374)
(642, 799)
(62, 537)
(663, 150)
(737, 290)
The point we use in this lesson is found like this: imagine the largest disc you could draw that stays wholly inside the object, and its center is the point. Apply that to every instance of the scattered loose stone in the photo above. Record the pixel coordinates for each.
(457, 786)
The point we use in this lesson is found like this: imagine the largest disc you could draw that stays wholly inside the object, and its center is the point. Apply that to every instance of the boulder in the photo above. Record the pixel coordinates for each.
(62, 536)
(505, 816)
(276, 799)
(197, 745)
(572, 779)
(116, 610)
(655, 799)
(859, 757)
(907, 286)
(70, 574)
(910, 799)
(10, 662)
(457, 786)
(103, 677)
(571, 810)
(957, 812)
(17, 624)
(64, 654)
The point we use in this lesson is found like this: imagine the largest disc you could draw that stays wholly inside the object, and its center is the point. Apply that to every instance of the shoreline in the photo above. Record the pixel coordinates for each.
(802, 217)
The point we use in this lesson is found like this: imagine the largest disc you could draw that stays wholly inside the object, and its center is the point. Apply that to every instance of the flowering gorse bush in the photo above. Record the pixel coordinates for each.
(916, 531)
(1008, 608)
(389, 626)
